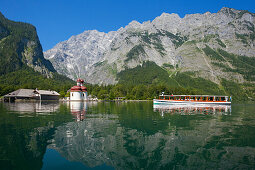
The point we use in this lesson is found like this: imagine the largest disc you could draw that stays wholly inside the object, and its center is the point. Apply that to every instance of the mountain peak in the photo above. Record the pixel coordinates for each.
(228, 10)
(166, 40)
(164, 14)
(134, 23)
(237, 13)
(166, 17)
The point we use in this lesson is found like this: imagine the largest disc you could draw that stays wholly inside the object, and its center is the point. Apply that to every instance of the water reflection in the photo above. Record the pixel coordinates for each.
(192, 109)
(128, 136)
(79, 109)
(189, 142)
(42, 107)
(24, 138)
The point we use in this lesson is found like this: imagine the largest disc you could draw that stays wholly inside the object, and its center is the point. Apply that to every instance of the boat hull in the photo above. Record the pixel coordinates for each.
(188, 102)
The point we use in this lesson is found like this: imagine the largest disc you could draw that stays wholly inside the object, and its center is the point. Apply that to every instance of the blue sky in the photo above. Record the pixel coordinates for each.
(58, 20)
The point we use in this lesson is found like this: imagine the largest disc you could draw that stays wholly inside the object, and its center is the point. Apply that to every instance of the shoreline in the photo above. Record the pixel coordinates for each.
(62, 100)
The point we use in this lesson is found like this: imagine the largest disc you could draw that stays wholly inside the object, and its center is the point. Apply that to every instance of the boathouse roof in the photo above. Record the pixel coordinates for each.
(48, 92)
(30, 93)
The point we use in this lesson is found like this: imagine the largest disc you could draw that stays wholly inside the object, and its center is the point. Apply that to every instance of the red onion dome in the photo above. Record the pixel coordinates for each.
(76, 88)
(80, 81)
(84, 89)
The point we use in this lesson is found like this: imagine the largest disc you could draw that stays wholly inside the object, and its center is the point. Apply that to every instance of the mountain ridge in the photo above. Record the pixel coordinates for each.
(200, 43)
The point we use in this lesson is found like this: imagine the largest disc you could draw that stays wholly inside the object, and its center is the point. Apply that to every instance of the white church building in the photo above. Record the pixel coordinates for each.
(79, 92)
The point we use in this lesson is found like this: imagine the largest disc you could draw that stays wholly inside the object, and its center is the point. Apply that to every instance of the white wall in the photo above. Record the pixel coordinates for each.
(85, 97)
(76, 95)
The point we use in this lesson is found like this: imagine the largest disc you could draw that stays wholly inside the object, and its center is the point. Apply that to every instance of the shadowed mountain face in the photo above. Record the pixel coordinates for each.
(213, 46)
(21, 48)
(22, 64)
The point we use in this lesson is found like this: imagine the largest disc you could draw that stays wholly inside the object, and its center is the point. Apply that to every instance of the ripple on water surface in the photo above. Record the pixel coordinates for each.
(130, 135)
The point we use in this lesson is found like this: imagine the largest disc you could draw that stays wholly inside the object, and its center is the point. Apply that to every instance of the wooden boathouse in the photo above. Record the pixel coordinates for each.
(31, 94)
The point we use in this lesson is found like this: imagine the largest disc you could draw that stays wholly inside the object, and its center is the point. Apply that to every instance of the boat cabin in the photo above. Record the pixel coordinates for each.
(195, 98)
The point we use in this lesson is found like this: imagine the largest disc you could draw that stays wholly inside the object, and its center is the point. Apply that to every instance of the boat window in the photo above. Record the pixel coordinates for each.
(161, 97)
(210, 98)
(172, 98)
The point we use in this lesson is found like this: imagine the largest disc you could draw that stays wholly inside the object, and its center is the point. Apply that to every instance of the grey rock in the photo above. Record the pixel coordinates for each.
(98, 57)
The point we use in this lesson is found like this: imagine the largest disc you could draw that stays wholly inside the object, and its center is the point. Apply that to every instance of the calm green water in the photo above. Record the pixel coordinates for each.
(131, 135)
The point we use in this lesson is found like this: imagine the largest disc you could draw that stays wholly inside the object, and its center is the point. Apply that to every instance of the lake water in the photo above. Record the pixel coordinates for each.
(132, 135)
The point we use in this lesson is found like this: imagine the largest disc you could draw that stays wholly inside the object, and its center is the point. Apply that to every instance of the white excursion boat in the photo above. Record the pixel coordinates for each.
(192, 100)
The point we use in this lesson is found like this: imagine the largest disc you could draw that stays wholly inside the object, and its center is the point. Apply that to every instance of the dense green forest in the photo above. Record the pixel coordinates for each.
(149, 80)
(29, 79)
(239, 92)
(140, 83)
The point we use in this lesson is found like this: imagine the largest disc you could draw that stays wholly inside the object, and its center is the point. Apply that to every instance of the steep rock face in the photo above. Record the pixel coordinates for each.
(74, 56)
(20, 47)
(210, 45)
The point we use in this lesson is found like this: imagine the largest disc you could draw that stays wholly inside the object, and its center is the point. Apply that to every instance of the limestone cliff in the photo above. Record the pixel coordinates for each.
(20, 47)
(210, 45)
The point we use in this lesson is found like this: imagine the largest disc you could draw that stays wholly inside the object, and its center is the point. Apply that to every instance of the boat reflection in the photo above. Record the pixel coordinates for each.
(192, 109)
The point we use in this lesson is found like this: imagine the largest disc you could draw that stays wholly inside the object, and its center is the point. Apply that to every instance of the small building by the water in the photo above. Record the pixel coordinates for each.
(79, 92)
(32, 94)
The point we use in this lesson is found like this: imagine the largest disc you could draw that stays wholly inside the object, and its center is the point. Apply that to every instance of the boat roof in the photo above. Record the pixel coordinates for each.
(193, 95)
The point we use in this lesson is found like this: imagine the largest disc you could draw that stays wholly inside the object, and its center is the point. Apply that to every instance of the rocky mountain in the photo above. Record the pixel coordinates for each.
(212, 46)
(20, 47)
(22, 63)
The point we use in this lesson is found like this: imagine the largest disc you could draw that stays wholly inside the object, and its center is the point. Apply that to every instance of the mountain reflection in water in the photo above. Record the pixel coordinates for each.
(130, 135)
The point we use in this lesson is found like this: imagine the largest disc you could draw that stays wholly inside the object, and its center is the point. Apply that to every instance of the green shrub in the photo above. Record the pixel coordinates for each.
(220, 43)
(135, 52)
(212, 54)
